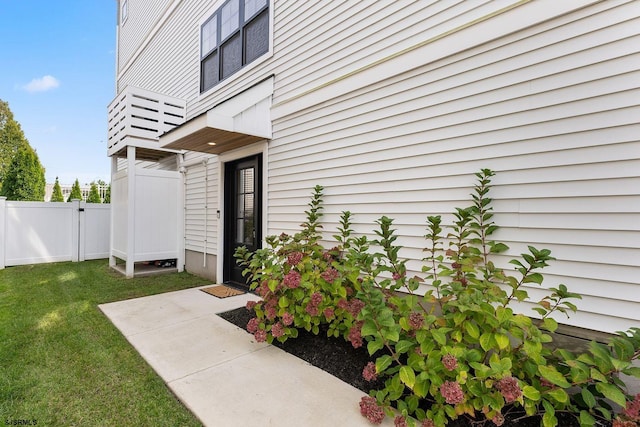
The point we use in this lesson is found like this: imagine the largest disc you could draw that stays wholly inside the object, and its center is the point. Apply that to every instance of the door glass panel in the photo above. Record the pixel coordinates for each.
(240, 230)
(241, 206)
(245, 224)
(249, 232)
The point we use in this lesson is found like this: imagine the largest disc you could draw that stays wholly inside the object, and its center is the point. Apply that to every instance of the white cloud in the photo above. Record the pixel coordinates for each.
(42, 84)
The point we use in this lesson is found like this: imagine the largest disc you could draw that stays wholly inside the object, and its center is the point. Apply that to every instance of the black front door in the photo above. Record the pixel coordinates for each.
(243, 213)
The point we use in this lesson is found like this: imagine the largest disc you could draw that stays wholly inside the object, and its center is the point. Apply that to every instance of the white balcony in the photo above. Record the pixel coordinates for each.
(137, 117)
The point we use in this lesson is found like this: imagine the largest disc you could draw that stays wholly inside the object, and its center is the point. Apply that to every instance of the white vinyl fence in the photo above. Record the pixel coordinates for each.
(40, 232)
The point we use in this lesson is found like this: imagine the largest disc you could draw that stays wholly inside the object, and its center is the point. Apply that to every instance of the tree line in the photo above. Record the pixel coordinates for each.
(76, 192)
(22, 174)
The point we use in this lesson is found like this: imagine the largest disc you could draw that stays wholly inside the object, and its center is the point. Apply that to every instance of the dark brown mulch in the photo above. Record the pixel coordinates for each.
(338, 357)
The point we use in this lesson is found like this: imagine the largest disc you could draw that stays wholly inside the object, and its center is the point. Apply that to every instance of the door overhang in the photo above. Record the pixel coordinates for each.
(239, 121)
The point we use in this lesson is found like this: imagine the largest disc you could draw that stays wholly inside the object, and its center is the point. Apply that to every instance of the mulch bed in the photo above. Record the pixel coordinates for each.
(338, 357)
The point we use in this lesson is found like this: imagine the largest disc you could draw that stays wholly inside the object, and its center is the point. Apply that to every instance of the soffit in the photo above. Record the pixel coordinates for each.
(240, 120)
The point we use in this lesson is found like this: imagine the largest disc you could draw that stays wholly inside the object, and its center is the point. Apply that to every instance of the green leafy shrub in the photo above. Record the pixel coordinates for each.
(24, 177)
(447, 344)
(76, 192)
(300, 282)
(94, 194)
(460, 350)
(56, 195)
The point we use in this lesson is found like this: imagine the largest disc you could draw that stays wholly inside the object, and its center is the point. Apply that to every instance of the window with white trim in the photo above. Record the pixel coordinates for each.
(234, 36)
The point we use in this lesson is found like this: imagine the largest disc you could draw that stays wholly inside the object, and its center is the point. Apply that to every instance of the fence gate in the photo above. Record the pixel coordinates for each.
(41, 232)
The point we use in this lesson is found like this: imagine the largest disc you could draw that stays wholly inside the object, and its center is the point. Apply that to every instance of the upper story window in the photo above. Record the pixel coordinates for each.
(234, 36)
(124, 10)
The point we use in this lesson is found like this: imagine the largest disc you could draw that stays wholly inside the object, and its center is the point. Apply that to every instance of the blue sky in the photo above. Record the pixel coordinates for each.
(57, 73)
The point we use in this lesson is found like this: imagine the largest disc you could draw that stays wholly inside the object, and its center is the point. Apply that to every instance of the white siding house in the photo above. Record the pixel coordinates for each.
(392, 106)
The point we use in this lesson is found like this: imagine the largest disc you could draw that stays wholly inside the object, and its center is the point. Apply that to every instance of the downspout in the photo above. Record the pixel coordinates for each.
(183, 168)
(205, 164)
(183, 173)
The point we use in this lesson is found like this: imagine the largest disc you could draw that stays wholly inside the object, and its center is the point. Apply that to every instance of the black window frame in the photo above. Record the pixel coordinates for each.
(215, 53)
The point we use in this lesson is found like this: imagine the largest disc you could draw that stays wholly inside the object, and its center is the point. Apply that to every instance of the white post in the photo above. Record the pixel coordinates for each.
(3, 215)
(114, 170)
(131, 210)
(181, 203)
(82, 232)
(75, 229)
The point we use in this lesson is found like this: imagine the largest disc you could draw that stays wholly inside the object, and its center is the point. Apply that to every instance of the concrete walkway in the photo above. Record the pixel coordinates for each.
(221, 374)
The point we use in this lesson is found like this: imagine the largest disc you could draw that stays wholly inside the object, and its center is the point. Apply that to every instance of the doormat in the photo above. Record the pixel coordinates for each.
(222, 291)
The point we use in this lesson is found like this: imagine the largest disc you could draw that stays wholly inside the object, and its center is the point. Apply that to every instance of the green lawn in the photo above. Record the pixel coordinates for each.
(62, 362)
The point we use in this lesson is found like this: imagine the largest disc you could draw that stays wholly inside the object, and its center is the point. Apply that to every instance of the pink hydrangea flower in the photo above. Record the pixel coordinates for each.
(509, 388)
(260, 335)
(316, 298)
(400, 421)
(271, 312)
(312, 309)
(287, 319)
(329, 313)
(369, 372)
(355, 306)
(450, 362)
(369, 408)
(620, 423)
(397, 276)
(416, 320)
(294, 258)
(292, 279)
(355, 335)
(263, 289)
(343, 304)
(632, 409)
(328, 255)
(252, 325)
(452, 392)
(250, 305)
(277, 330)
(498, 420)
(427, 423)
(330, 275)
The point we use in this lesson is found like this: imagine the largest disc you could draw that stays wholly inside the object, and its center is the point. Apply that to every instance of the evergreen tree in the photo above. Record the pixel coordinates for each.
(57, 192)
(94, 194)
(76, 193)
(11, 138)
(24, 178)
(107, 195)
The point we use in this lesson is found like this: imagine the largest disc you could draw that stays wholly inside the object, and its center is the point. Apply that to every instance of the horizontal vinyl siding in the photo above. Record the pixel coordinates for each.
(141, 18)
(196, 198)
(553, 109)
(170, 62)
(341, 36)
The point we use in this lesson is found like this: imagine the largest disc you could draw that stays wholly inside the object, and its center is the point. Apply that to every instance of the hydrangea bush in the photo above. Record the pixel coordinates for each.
(300, 282)
(447, 344)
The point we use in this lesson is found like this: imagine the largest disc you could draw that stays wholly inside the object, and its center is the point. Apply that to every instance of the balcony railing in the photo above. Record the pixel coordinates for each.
(138, 117)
